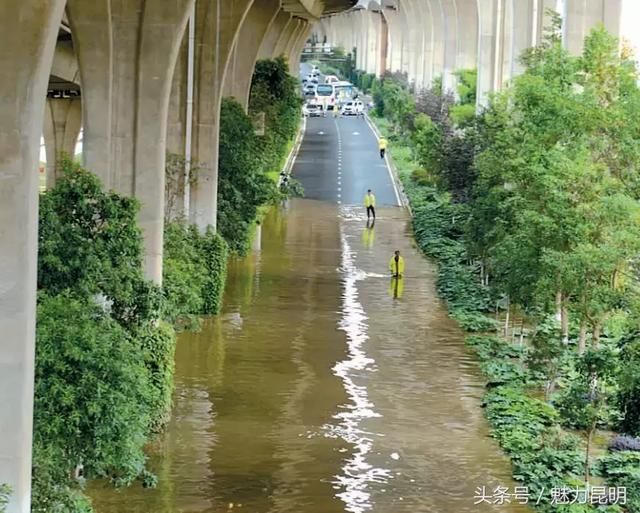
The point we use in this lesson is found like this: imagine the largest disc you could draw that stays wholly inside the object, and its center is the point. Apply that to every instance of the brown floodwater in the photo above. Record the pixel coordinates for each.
(324, 387)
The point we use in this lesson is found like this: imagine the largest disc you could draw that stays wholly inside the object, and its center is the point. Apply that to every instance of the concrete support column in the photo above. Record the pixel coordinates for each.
(451, 35)
(133, 82)
(285, 35)
(243, 61)
(296, 49)
(415, 44)
(92, 37)
(489, 48)
(583, 15)
(406, 38)
(62, 123)
(217, 25)
(396, 35)
(436, 39)
(468, 34)
(383, 45)
(300, 27)
(27, 43)
(176, 119)
(270, 41)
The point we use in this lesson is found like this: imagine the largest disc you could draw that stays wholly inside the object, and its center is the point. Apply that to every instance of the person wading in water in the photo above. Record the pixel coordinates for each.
(396, 265)
(370, 204)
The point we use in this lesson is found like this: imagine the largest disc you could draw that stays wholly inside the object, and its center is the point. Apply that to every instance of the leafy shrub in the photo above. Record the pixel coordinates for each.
(474, 322)
(622, 469)
(421, 177)
(243, 185)
(104, 365)
(625, 443)
(5, 493)
(462, 115)
(194, 271)
(89, 241)
(494, 348)
(628, 398)
(92, 397)
(504, 372)
(158, 344)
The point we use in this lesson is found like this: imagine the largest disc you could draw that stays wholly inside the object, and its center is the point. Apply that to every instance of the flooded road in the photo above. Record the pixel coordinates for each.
(324, 387)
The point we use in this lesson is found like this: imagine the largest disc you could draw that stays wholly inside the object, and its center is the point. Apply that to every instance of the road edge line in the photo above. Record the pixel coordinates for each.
(393, 172)
(293, 154)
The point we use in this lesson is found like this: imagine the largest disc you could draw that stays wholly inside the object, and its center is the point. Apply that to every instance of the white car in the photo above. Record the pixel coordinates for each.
(312, 110)
(353, 108)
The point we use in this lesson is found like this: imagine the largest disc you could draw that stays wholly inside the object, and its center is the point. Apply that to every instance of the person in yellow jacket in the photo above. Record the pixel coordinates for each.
(370, 204)
(382, 145)
(396, 265)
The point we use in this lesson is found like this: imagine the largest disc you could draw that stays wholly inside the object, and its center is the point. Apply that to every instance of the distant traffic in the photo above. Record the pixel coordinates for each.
(329, 94)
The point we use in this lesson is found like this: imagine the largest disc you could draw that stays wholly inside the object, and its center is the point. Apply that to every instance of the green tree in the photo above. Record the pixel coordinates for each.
(242, 182)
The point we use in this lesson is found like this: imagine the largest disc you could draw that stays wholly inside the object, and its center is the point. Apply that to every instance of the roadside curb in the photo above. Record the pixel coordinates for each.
(293, 154)
(397, 183)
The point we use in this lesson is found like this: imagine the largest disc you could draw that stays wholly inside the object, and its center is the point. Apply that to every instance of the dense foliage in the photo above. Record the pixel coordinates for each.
(194, 271)
(532, 207)
(104, 360)
(5, 493)
(249, 164)
(243, 185)
(274, 93)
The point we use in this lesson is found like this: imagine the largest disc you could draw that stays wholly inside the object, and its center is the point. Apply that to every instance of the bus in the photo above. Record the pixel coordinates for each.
(344, 92)
(326, 96)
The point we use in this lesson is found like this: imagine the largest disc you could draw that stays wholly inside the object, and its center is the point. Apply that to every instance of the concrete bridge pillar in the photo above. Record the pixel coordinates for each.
(437, 41)
(413, 41)
(396, 39)
(285, 35)
(468, 34)
(451, 34)
(217, 27)
(62, 123)
(131, 100)
(259, 19)
(270, 41)
(296, 50)
(583, 15)
(26, 54)
(491, 16)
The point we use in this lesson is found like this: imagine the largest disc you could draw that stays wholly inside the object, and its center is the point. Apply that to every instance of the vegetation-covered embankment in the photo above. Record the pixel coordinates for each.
(105, 335)
(532, 210)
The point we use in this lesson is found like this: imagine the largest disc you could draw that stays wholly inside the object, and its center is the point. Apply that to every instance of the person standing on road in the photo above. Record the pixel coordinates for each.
(370, 204)
(396, 265)
(382, 145)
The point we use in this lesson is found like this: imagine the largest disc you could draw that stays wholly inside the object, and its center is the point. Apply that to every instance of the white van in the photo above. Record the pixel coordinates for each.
(331, 79)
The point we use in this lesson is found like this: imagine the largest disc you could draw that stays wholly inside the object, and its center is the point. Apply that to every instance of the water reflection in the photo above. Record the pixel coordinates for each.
(357, 473)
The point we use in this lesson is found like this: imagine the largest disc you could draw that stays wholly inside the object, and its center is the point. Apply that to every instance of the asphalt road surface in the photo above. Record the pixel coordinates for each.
(339, 160)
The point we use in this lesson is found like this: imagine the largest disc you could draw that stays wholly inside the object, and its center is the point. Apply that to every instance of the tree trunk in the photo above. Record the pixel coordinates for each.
(507, 319)
(596, 334)
(582, 340)
(592, 430)
(558, 306)
(564, 319)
